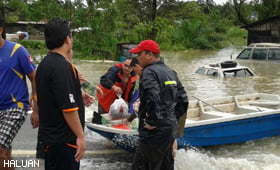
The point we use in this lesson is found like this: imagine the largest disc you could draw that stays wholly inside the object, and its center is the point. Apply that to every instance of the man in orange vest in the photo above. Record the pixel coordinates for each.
(118, 80)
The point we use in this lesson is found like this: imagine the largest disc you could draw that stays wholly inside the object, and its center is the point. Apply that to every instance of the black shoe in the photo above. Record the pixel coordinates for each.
(96, 118)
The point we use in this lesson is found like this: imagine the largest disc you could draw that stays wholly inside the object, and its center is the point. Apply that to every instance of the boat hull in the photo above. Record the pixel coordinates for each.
(236, 131)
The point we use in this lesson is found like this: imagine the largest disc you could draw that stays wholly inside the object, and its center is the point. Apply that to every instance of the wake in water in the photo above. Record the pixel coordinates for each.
(224, 158)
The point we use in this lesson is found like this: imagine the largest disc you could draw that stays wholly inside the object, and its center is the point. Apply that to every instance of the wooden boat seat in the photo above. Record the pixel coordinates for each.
(249, 108)
(256, 108)
(265, 103)
(215, 114)
(219, 114)
(266, 100)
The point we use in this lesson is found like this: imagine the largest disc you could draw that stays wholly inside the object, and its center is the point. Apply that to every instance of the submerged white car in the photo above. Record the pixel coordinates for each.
(260, 51)
(225, 69)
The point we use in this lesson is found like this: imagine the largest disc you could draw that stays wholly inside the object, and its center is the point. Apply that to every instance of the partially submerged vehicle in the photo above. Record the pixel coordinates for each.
(225, 69)
(20, 35)
(260, 51)
(123, 50)
(216, 121)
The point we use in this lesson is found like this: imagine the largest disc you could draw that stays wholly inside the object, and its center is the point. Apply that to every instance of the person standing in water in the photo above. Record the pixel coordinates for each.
(163, 101)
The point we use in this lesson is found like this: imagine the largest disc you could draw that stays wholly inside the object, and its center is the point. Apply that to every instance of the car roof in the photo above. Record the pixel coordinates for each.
(238, 67)
(264, 45)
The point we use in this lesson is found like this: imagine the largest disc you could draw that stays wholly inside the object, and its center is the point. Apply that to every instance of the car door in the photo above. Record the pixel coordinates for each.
(259, 54)
(274, 54)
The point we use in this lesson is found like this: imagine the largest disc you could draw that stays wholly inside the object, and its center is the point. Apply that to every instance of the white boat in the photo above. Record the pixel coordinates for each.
(216, 121)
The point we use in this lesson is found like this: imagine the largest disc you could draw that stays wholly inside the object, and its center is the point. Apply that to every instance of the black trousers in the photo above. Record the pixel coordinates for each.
(154, 157)
(61, 157)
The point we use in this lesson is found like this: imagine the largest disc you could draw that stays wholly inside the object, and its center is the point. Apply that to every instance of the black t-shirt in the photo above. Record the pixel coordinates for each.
(58, 90)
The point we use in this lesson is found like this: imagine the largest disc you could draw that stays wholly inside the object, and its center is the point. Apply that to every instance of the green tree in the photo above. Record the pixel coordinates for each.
(267, 8)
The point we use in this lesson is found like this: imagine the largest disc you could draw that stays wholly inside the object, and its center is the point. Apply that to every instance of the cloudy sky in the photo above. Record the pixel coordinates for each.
(220, 2)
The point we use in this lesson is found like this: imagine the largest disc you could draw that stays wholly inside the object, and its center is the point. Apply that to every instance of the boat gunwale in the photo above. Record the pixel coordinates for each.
(233, 117)
(196, 123)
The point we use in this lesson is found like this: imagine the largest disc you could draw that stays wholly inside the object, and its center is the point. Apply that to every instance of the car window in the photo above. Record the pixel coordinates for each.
(200, 70)
(237, 73)
(274, 54)
(212, 72)
(245, 54)
(259, 54)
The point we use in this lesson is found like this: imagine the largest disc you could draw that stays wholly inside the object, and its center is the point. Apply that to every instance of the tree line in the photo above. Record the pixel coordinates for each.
(175, 24)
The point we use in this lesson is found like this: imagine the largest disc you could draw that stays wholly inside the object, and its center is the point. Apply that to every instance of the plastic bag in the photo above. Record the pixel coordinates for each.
(119, 109)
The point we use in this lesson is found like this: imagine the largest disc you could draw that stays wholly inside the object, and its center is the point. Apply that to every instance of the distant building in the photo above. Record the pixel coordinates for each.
(267, 30)
(25, 30)
(25, 26)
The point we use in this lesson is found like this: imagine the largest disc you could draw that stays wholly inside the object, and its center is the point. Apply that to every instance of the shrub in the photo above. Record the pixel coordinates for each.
(33, 44)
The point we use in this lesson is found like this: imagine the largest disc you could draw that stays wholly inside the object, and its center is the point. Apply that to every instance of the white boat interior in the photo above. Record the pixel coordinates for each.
(216, 110)
(223, 109)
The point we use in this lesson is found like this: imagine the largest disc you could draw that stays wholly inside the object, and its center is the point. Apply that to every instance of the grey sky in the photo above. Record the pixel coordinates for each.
(220, 2)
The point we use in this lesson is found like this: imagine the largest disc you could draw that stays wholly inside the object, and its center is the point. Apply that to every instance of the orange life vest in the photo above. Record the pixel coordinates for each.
(109, 95)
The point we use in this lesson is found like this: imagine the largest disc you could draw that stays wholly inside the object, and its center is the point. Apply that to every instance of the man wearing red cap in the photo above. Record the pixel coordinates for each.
(163, 101)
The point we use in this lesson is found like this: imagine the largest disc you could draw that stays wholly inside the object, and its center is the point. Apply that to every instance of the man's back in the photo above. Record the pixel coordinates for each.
(158, 79)
(159, 87)
(15, 64)
(58, 89)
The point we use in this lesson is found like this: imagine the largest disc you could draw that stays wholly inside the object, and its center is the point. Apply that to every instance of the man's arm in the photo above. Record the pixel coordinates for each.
(33, 101)
(151, 98)
(182, 100)
(31, 77)
(63, 89)
(73, 121)
(109, 78)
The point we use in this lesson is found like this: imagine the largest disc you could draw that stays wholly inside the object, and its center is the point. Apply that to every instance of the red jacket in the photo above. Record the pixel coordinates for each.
(109, 95)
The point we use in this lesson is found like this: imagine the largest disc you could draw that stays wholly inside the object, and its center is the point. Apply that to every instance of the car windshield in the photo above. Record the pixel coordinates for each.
(200, 70)
(245, 54)
(238, 73)
(212, 72)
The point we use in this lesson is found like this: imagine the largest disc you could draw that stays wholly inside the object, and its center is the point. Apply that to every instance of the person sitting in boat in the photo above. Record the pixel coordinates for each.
(132, 110)
(119, 80)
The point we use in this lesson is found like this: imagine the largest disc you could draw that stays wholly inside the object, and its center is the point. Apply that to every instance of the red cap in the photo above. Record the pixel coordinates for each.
(148, 45)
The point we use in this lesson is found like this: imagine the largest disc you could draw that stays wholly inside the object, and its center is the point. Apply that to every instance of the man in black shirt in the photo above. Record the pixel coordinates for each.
(60, 103)
(163, 101)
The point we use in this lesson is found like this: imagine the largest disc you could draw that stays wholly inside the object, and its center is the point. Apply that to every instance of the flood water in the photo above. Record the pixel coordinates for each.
(262, 154)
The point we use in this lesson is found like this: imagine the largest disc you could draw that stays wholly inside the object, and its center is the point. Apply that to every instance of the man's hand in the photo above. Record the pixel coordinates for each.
(73, 121)
(34, 119)
(87, 99)
(117, 90)
(99, 91)
(149, 127)
(81, 148)
(125, 121)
